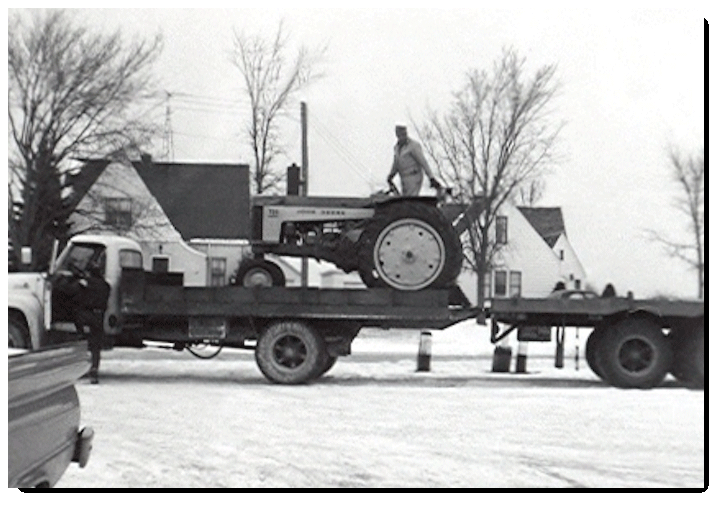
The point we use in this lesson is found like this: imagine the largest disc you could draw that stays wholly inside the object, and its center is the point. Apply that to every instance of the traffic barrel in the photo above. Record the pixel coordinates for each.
(424, 352)
(521, 365)
(502, 358)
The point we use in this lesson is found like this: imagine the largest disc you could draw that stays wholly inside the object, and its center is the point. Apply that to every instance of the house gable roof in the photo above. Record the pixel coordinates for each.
(547, 221)
(201, 200)
(81, 181)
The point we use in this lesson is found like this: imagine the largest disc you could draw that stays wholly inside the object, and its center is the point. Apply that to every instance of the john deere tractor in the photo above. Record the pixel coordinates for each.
(404, 243)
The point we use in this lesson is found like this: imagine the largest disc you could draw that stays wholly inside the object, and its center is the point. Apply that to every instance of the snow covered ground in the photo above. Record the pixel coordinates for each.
(167, 419)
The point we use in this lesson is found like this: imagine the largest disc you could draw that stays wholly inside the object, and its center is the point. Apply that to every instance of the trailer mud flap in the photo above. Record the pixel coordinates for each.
(208, 327)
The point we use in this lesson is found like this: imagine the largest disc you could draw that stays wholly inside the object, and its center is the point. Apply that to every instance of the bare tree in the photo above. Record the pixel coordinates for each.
(70, 96)
(495, 141)
(272, 78)
(531, 193)
(688, 173)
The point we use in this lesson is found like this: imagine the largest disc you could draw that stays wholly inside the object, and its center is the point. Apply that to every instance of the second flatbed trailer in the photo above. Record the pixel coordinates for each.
(634, 343)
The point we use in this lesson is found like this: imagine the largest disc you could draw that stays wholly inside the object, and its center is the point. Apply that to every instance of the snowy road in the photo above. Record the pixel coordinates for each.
(166, 419)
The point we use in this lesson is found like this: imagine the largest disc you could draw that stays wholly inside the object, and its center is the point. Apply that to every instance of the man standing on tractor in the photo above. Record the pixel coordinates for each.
(409, 162)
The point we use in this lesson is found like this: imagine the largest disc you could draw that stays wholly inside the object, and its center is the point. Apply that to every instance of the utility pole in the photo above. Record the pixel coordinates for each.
(168, 133)
(304, 178)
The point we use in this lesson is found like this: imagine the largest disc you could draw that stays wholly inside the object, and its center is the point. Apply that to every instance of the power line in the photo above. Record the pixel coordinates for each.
(345, 154)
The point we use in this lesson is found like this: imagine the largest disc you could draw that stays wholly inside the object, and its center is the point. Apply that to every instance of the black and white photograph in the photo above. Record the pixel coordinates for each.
(361, 248)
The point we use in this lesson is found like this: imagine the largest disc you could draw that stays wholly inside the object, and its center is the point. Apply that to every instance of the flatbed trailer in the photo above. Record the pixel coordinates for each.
(297, 333)
(634, 343)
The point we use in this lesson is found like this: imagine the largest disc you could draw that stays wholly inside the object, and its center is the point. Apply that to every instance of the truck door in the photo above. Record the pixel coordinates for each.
(74, 261)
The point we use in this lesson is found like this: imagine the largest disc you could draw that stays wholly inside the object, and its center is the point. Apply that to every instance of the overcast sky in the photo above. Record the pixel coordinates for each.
(632, 82)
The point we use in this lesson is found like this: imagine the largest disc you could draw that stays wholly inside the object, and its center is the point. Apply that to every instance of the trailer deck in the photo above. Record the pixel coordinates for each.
(589, 312)
(142, 296)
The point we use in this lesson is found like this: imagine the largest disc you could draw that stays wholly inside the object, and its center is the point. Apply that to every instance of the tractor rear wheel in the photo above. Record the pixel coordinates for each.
(410, 246)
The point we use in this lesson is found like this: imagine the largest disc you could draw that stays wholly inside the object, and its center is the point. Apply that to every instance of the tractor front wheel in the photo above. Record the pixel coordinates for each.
(259, 273)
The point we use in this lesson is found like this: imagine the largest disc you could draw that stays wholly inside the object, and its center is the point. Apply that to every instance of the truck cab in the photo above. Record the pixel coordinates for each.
(38, 317)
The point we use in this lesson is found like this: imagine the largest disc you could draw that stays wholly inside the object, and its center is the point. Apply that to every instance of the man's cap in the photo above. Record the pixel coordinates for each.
(400, 126)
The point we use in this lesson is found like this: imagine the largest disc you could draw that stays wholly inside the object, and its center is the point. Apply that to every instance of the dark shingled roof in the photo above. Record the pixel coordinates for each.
(201, 200)
(547, 221)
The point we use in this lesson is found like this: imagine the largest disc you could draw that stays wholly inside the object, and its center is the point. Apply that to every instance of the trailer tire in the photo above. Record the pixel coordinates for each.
(290, 352)
(432, 260)
(591, 351)
(688, 353)
(633, 353)
(18, 333)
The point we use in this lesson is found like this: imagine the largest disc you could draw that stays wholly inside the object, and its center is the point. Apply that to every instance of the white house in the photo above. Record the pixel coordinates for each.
(534, 255)
(188, 217)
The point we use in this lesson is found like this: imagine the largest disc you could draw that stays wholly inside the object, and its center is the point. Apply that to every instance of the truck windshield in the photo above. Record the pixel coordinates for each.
(79, 255)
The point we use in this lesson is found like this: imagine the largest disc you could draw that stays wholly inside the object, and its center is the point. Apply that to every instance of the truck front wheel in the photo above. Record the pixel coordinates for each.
(290, 352)
(633, 353)
(18, 334)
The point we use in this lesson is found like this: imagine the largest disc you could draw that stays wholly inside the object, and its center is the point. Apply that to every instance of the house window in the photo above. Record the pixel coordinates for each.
(515, 283)
(160, 264)
(500, 283)
(118, 213)
(217, 271)
(578, 284)
(487, 285)
(501, 230)
(562, 254)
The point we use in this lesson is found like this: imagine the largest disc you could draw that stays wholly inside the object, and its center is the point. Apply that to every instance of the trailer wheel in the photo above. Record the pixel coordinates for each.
(688, 353)
(410, 246)
(633, 353)
(591, 351)
(290, 352)
(18, 333)
(259, 273)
